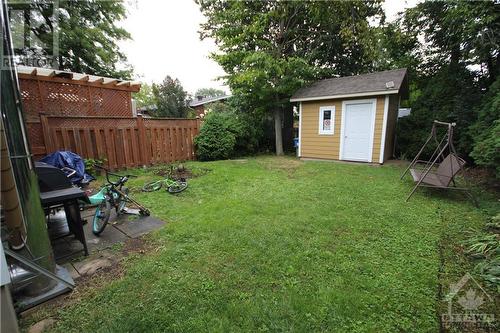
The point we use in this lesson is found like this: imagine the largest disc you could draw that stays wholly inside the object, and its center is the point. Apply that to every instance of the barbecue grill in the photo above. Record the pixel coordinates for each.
(57, 192)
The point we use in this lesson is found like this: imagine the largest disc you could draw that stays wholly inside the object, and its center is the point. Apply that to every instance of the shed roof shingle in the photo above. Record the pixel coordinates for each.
(342, 86)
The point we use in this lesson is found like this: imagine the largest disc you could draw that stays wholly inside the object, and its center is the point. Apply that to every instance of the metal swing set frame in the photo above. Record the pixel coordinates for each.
(440, 170)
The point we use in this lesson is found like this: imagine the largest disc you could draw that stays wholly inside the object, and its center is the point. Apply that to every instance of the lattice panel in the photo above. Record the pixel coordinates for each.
(68, 99)
(31, 99)
(82, 122)
(64, 99)
(116, 102)
(35, 134)
(97, 102)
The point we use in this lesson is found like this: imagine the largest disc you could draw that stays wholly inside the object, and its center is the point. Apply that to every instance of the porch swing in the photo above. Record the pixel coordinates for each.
(442, 167)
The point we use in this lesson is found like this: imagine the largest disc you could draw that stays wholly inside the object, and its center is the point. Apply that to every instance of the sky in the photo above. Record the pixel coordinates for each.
(165, 41)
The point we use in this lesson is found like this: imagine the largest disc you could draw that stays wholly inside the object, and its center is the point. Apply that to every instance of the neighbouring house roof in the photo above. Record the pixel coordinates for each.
(378, 83)
(47, 73)
(200, 100)
(147, 108)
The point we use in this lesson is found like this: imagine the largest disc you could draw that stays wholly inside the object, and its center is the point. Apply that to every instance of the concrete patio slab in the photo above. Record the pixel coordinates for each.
(134, 228)
(119, 229)
(106, 239)
(71, 270)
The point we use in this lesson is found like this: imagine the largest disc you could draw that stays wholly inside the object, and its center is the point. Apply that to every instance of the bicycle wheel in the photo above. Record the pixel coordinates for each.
(144, 212)
(101, 217)
(177, 187)
(153, 186)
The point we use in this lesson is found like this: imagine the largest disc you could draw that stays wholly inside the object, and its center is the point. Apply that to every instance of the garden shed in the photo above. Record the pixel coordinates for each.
(351, 118)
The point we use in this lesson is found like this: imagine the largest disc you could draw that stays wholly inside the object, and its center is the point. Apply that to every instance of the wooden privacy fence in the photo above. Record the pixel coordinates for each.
(123, 142)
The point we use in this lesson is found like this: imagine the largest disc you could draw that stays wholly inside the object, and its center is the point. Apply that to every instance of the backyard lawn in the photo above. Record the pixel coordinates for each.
(276, 244)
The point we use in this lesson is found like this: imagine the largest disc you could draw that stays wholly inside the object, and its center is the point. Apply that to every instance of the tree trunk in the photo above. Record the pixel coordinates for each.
(288, 133)
(277, 131)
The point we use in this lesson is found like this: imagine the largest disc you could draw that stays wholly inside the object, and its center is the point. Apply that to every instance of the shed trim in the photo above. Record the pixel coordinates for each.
(384, 129)
(300, 129)
(319, 98)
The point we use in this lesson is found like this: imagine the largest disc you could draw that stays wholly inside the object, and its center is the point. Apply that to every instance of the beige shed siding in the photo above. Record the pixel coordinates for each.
(379, 122)
(314, 145)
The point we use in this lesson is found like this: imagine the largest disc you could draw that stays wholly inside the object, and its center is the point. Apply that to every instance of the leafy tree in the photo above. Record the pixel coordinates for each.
(455, 32)
(271, 48)
(449, 95)
(88, 34)
(170, 98)
(451, 70)
(337, 37)
(209, 92)
(486, 131)
(145, 96)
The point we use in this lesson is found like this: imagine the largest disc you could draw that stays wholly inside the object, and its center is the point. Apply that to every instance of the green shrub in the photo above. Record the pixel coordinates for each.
(228, 131)
(449, 95)
(486, 131)
(484, 249)
(216, 141)
(91, 163)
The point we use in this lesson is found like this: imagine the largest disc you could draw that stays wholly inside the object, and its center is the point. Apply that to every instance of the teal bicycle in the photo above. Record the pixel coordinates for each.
(112, 195)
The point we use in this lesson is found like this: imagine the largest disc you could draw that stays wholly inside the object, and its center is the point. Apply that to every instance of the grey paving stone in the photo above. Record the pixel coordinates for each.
(118, 230)
(42, 326)
(71, 270)
(106, 239)
(139, 226)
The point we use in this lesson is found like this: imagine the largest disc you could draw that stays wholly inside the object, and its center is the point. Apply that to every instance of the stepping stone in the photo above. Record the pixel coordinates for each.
(42, 326)
(89, 267)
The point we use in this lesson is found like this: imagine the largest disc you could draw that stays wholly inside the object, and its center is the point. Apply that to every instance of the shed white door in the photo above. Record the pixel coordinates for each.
(358, 121)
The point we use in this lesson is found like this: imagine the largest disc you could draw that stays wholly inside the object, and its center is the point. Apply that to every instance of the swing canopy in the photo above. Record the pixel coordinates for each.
(444, 174)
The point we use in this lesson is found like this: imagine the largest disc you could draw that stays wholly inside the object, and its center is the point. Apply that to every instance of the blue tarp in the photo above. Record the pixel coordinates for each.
(68, 159)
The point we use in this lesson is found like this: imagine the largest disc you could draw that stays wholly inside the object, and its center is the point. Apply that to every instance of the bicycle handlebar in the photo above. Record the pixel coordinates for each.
(114, 174)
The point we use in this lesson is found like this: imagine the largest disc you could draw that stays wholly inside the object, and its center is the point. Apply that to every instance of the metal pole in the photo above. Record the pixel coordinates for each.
(422, 175)
(420, 152)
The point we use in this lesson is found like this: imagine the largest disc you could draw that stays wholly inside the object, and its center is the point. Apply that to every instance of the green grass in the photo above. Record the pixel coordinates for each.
(275, 244)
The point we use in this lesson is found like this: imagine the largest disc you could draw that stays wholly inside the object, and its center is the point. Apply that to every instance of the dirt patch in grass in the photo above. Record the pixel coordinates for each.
(90, 285)
(178, 171)
(286, 164)
(115, 271)
(138, 245)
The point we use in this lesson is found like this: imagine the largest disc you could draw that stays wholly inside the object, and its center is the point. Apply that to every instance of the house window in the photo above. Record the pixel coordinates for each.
(326, 120)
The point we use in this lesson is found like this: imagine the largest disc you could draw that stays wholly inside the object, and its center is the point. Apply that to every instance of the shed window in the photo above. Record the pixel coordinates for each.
(326, 119)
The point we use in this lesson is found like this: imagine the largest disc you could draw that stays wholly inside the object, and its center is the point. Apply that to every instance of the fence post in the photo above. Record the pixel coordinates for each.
(196, 131)
(46, 133)
(198, 125)
(143, 148)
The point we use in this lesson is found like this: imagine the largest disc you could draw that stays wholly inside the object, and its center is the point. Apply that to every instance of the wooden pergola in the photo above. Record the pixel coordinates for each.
(52, 92)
